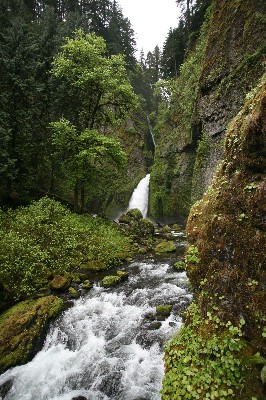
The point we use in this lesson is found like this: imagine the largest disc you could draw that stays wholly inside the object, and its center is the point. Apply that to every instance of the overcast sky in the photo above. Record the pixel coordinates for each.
(150, 20)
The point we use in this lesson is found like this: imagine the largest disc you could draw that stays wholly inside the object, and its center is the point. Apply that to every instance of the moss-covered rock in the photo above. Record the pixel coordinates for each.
(110, 280)
(60, 283)
(210, 90)
(226, 231)
(164, 310)
(123, 275)
(22, 326)
(165, 247)
(87, 284)
(74, 294)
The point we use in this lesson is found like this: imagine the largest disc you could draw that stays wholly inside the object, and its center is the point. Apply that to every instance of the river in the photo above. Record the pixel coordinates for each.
(106, 345)
(109, 344)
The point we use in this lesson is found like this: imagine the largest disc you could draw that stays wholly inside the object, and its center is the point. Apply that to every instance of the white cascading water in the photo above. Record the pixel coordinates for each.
(140, 196)
(105, 347)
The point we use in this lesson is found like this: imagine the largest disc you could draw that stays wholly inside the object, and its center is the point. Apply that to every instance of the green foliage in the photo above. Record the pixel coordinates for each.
(203, 360)
(85, 151)
(47, 237)
(192, 255)
(104, 90)
(180, 265)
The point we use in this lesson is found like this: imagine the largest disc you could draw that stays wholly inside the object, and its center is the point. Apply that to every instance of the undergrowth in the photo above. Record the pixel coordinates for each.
(47, 239)
(203, 361)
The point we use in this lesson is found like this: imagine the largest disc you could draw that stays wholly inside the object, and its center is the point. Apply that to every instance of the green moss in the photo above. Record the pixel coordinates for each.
(165, 247)
(73, 293)
(60, 283)
(164, 310)
(87, 285)
(22, 326)
(227, 235)
(180, 266)
(110, 280)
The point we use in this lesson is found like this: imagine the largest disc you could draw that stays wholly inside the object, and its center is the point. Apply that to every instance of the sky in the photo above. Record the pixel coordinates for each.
(151, 20)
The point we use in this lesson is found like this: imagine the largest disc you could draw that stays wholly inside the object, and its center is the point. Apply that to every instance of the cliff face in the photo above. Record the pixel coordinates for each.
(226, 263)
(227, 62)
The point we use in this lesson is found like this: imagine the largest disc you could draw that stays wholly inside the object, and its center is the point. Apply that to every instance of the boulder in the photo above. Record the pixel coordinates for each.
(164, 310)
(22, 327)
(110, 280)
(60, 283)
(165, 247)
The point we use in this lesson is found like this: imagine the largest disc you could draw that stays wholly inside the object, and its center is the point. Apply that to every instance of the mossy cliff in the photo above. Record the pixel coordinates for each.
(225, 64)
(221, 350)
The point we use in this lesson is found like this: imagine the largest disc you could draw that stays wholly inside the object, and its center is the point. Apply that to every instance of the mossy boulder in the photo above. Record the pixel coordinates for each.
(60, 283)
(74, 294)
(22, 327)
(110, 280)
(136, 226)
(87, 285)
(165, 247)
(226, 232)
(164, 310)
(123, 275)
(146, 227)
(134, 214)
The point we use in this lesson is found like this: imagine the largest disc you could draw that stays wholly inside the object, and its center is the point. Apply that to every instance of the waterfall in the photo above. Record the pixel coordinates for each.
(140, 196)
(151, 131)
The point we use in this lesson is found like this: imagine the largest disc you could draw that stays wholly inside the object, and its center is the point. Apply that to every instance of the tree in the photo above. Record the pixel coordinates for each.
(83, 153)
(102, 96)
(174, 51)
(104, 93)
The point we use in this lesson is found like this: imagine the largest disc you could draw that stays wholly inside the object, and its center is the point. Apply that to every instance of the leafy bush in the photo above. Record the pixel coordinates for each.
(47, 238)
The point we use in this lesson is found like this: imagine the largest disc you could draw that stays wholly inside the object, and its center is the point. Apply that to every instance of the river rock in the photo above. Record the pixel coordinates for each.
(74, 294)
(165, 247)
(164, 310)
(110, 280)
(87, 285)
(22, 326)
(60, 283)
(123, 275)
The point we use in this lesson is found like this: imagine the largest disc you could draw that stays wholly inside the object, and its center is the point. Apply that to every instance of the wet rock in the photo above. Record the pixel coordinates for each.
(123, 275)
(5, 388)
(165, 247)
(110, 280)
(155, 325)
(79, 398)
(22, 326)
(164, 310)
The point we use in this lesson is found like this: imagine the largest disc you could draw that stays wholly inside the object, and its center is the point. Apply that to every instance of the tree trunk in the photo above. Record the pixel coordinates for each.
(82, 198)
(76, 199)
